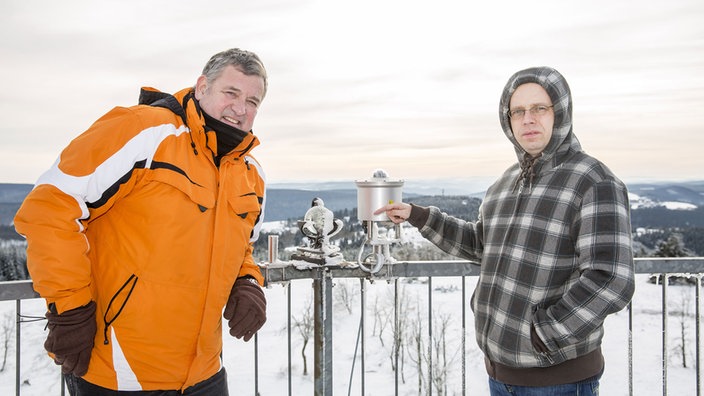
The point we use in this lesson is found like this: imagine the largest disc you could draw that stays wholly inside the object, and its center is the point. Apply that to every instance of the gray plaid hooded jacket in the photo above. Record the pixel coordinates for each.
(554, 241)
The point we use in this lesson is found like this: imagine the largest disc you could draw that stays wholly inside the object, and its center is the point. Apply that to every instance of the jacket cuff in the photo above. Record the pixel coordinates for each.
(255, 273)
(75, 300)
(419, 215)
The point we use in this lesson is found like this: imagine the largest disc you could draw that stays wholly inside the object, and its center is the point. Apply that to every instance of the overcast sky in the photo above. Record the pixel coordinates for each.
(408, 86)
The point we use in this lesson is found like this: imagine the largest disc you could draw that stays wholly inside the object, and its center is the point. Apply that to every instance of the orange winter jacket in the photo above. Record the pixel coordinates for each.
(136, 216)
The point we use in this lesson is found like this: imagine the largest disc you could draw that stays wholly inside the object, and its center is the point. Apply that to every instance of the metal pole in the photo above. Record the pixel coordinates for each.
(396, 336)
(430, 336)
(256, 364)
(464, 332)
(18, 304)
(630, 348)
(288, 289)
(698, 329)
(362, 327)
(322, 287)
(664, 334)
(273, 248)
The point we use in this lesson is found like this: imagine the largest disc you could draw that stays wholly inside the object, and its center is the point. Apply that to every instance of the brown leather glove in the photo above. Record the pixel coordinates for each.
(246, 308)
(70, 338)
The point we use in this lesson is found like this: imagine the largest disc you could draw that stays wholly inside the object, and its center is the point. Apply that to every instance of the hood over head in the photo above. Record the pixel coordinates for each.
(559, 91)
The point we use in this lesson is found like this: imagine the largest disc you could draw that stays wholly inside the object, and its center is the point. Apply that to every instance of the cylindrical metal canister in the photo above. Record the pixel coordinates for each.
(374, 193)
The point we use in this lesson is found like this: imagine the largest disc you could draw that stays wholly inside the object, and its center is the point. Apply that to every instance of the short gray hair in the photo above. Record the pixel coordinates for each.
(245, 61)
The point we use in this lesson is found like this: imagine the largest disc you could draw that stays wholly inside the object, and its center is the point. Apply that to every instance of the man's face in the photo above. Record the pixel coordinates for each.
(232, 98)
(532, 130)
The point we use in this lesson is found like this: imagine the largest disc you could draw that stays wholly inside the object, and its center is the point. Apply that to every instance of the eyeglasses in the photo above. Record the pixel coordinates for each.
(535, 110)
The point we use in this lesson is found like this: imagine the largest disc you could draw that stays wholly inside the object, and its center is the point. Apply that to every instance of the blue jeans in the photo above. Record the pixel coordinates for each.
(582, 388)
(213, 386)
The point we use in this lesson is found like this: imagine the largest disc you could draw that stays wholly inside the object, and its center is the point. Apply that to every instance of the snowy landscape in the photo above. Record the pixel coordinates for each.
(39, 375)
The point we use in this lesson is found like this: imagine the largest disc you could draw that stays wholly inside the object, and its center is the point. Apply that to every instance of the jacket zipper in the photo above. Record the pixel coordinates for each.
(133, 279)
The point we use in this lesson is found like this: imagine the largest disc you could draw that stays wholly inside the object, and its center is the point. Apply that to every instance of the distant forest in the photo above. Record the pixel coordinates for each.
(661, 217)
(663, 226)
(659, 225)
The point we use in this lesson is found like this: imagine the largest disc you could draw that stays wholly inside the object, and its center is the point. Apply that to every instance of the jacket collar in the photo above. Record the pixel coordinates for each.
(183, 103)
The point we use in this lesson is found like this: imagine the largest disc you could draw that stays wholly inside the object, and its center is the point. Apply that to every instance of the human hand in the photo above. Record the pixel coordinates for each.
(245, 309)
(397, 212)
(71, 337)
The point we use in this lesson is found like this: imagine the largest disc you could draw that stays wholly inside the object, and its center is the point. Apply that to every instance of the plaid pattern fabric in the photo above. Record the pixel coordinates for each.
(556, 252)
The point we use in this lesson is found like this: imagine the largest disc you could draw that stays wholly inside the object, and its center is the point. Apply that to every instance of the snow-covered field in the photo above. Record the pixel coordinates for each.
(39, 376)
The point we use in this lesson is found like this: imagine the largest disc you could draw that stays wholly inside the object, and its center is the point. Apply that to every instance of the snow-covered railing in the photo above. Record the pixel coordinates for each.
(323, 279)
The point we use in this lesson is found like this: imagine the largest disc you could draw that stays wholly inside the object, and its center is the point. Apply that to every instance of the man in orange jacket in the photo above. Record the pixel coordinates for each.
(142, 232)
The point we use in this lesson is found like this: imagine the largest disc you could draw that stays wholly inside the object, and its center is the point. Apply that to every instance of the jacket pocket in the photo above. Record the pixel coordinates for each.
(246, 207)
(203, 196)
(117, 304)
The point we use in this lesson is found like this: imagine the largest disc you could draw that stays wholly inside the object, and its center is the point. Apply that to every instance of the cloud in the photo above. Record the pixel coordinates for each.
(365, 84)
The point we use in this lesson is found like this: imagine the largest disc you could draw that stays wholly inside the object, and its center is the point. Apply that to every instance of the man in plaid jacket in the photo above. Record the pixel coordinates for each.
(554, 241)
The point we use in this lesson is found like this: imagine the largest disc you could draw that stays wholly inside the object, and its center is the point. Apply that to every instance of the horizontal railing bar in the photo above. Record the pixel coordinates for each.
(669, 265)
(275, 273)
(17, 290)
(278, 273)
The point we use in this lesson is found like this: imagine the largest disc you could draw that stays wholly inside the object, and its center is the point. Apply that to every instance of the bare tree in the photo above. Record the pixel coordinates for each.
(436, 351)
(381, 318)
(399, 347)
(305, 327)
(442, 361)
(377, 316)
(344, 294)
(685, 303)
(6, 331)
(417, 354)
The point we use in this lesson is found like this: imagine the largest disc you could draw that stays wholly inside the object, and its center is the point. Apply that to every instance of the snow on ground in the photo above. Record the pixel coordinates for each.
(678, 205)
(640, 202)
(273, 226)
(39, 376)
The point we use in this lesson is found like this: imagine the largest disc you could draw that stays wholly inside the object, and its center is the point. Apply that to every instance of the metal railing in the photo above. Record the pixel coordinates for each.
(322, 281)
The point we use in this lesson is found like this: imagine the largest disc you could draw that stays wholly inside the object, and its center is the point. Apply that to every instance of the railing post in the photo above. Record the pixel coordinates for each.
(664, 334)
(273, 247)
(256, 364)
(397, 341)
(362, 326)
(630, 348)
(322, 288)
(697, 327)
(290, 344)
(430, 336)
(464, 337)
(18, 305)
